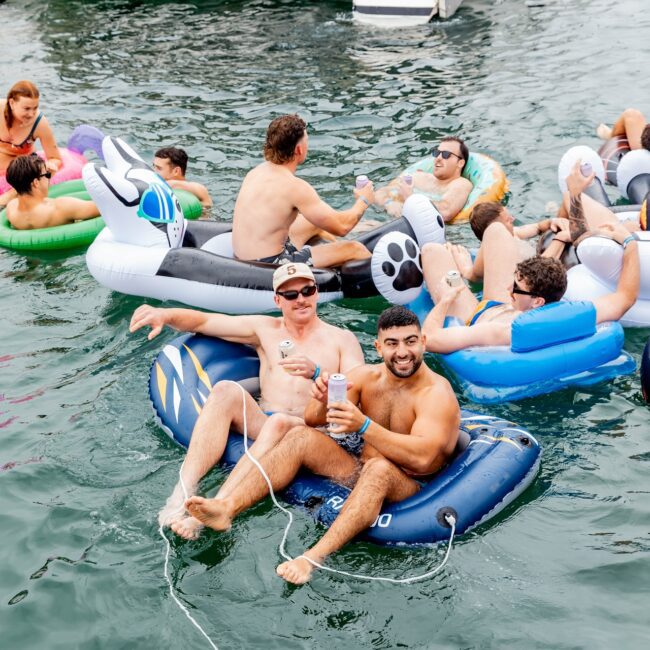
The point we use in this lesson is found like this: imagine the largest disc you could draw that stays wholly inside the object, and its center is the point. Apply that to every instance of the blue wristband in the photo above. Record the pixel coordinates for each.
(365, 200)
(316, 374)
(364, 426)
(627, 240)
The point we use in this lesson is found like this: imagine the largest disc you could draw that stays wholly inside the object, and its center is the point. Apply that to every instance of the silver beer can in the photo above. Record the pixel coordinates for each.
(337, 388)
(286, 348)
(361, 181)
(453, 278)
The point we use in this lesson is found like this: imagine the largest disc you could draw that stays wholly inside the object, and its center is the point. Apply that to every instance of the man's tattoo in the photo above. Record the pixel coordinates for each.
(577, 222)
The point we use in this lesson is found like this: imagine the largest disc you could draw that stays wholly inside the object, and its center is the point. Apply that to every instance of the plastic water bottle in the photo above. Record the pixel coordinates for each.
(361, 181)
(586, 169)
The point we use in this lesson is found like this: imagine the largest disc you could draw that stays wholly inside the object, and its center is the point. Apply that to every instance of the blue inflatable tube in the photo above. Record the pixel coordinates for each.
(554, 346)
(494, 463)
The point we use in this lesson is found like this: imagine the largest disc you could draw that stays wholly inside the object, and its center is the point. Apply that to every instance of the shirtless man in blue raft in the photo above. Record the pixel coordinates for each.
(446, 188)
(284, 383)
(407, 417)
(511, 287)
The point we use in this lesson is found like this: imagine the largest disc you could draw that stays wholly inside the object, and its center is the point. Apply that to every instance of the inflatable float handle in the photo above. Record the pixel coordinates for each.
(86, 138)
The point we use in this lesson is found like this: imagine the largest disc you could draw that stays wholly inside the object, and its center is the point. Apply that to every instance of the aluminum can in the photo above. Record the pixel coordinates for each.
(453, 278)
(408, 179)
(361, 181)
(286, 348)
(586, 169)
(337, 388)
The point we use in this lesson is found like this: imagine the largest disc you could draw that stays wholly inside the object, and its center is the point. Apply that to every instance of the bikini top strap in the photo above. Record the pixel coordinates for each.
(31, 133)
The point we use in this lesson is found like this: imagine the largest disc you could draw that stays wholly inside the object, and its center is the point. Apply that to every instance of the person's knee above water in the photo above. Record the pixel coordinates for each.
(32, 208)
(446, 187)
(408, 417)
(487, 213)
(632, 125)
(171, 164)
(284, 382)
(271, 197)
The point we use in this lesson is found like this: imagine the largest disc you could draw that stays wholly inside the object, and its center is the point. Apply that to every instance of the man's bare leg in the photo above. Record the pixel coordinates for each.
(302, 231)
(630, 124)
(270, 435)
(380, 480)
(500, 258)
(301, 447)
(325, 255)
(436, 261)
(221, 411)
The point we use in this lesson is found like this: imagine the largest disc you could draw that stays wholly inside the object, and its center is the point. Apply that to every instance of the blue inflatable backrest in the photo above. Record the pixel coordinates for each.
(553, 324)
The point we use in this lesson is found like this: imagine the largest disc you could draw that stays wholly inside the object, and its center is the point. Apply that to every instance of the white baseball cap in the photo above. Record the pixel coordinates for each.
(290, 271)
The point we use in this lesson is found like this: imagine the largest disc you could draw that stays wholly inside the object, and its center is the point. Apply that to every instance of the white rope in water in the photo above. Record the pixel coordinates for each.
(450, 519)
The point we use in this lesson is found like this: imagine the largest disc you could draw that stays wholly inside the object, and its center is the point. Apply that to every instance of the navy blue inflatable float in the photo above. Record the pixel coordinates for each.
(494, 463)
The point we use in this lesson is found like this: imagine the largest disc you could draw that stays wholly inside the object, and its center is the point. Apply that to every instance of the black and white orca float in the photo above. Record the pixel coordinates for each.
(149, 249)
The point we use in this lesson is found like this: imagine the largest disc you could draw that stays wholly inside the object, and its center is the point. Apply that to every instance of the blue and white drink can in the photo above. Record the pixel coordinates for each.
(361, 181)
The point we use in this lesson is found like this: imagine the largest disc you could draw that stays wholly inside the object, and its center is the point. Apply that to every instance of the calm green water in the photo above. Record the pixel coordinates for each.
(567, 566)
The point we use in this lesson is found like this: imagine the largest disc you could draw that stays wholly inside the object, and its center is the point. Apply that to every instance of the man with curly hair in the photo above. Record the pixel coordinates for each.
(275, 209)
(512, 287)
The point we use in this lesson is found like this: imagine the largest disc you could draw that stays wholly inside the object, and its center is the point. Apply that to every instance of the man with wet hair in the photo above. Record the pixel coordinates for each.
(447, 189)
(32, 208)
(511, 287)
(408, 417)
(171, 164)
(276, 211)
(632, 125)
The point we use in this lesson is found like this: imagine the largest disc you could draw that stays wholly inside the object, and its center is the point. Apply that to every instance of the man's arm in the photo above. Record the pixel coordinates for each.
(614, 305)
(238, 329)
(351, 353)
(68, 209)
(336, 222)
(199, 191)
(437, 418)
(454, 199)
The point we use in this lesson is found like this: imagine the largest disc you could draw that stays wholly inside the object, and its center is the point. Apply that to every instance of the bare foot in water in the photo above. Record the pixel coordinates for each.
(187, 528)
(210, 512)
(174, 509)
(297, 571)
(604, 132)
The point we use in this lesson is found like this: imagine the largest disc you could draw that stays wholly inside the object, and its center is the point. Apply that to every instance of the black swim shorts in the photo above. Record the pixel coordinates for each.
(290, 254)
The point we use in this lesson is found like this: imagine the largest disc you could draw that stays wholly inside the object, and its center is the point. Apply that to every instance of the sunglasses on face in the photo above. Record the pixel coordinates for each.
(292, 294)
(435, 152)
(520, 291)
(47, 175)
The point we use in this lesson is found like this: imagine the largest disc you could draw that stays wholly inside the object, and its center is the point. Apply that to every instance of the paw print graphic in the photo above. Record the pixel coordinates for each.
(396, 268)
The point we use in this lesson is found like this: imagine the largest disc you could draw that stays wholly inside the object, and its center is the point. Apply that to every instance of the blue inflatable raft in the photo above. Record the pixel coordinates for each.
(494, 463)
(554, 346)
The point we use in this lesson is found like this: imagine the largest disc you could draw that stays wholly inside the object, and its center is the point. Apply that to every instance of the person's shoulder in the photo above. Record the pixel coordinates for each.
(462, 182)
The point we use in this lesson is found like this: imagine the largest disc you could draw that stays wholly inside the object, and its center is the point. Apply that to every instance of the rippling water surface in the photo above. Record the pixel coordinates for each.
(84, 467)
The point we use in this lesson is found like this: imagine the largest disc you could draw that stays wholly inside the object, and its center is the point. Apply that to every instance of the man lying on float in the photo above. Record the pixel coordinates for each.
(446, 187)
(284, 383)
(511, 288)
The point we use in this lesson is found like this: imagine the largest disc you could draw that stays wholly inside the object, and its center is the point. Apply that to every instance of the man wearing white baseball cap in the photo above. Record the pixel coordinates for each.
(285, 383)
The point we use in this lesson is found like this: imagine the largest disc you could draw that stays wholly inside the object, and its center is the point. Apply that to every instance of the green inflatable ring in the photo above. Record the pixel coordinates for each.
(72, 235)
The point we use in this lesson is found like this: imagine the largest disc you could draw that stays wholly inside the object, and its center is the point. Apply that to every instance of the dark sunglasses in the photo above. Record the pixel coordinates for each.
(435, 152)
(292, 294)
(521, 292)
(47, 175)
